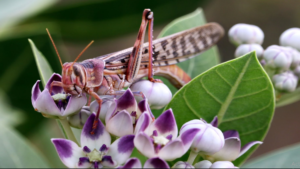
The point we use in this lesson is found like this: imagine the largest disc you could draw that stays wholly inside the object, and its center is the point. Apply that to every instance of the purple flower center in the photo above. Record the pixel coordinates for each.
(61, 100)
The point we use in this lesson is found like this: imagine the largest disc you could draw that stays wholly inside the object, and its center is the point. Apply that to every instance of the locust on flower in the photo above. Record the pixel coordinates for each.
(108, 74)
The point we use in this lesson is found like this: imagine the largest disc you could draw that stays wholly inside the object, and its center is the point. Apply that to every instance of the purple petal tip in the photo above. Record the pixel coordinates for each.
(126, 144)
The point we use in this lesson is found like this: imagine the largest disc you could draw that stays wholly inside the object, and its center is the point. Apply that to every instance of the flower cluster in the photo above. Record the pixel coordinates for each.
(131, 124)
(282, 63)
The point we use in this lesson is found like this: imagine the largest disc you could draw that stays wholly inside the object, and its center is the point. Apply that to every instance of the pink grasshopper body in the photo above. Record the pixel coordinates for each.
(108, 74)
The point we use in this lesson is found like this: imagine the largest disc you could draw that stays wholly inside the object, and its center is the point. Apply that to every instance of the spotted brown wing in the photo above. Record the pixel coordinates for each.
(169, 50)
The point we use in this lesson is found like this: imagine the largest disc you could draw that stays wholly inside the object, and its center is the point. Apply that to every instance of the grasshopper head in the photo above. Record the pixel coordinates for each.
(73, 78)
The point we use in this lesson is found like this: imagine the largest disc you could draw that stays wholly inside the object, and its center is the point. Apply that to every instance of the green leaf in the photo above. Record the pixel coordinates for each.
(198, 64)
(287, 157)
(201, 62)
(12, 12)
(16, 152)
(288, 98)
(44, 68)
(9, 115)
(239, 92)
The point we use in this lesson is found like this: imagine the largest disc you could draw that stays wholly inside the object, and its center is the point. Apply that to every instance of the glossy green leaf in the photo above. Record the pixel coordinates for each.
(287, 157)
(13, 12)
(9, 115)
(198, 64)
(44, 68)
(16, 152)
(288, 98)
(239, 92)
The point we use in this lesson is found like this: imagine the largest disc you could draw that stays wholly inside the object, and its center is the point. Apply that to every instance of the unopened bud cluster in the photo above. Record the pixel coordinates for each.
(282, 62)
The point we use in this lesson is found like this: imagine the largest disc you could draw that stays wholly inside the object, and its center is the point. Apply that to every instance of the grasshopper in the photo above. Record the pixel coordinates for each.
(109, 74)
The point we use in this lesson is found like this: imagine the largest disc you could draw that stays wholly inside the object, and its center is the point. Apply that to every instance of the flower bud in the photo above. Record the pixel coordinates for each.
(245, 33)
(278, 57)
(78, 120)
(222, 164)
(295, 56)
(246, 48)
(158, 94)
(107, 106)
(208, 140)
(286, 81)
(203, 164)
(181, 164)
(290, 37)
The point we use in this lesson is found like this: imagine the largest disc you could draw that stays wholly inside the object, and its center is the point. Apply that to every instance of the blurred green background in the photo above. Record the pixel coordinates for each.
(113, 24)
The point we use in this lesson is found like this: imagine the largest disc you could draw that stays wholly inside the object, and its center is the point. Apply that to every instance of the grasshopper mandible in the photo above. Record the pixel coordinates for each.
(108, 74)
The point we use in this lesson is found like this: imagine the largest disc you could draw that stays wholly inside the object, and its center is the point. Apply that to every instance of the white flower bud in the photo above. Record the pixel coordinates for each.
(158, 94)
(181, 164)
(295, 56)
(78, 120)
(203, 164)
(290, 37)
(277, 57)
(208, 140)
(286, 81)
(245, 33)
(223, 164)
(246, 48)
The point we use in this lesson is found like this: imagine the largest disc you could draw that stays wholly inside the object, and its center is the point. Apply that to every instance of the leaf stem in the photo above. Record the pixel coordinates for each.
(192, 157)
(66, 130)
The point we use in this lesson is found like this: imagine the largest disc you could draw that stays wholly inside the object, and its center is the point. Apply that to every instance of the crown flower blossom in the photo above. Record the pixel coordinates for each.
(208, 140)
(232, 148)
(160, 138)
(124, 116)
(96, 150)
(57, 103)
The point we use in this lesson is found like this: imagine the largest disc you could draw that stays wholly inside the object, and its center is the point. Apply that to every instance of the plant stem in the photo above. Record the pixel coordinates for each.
(192, 157)
(66, 130)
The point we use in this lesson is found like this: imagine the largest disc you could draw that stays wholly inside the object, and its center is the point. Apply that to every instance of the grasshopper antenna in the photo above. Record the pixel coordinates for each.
(83, 51)
(54, 47)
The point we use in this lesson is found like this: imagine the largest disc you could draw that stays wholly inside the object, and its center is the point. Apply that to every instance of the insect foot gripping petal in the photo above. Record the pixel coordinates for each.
(158, 94)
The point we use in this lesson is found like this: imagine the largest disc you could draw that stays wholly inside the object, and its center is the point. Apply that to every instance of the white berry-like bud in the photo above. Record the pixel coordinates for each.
(290, 37)
(297, 71)
(158, 94)
(203, 164)
(286, 81)
(278, 57)
(295, 56)
(107, 105)
(78, 120)
(223, 164)
(245, 34)
(246, 48)
(208, 140)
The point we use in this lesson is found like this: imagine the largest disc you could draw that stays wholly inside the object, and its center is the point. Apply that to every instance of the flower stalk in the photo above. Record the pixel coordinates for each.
(192, 157)
(66, 130)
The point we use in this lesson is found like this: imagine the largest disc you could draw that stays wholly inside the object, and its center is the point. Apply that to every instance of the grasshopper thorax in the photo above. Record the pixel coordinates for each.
(73, 78)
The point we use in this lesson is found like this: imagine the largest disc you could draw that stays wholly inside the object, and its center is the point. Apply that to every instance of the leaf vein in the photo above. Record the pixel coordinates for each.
(209, 93)
(253, 131)
(223, 78)
(189, 106)
(250, 94)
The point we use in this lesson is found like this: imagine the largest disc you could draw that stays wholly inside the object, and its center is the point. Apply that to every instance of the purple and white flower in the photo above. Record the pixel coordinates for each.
(278, 57)
(155, 162)
(124, 116)
(57, 103)
(157, 93)
(232, 148)
(290, 37)
(160, 138)
(78, 120)
(217, 164)
(181, 164)
(208, 140)
(245, 34)
(96, 150)
(285, 81)
(246, 48)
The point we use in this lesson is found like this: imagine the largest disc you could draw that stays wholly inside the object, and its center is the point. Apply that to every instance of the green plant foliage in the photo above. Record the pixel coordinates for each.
(239, 92)
(16, 152)
(287, 157)
(288, 98)
(199, 63)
